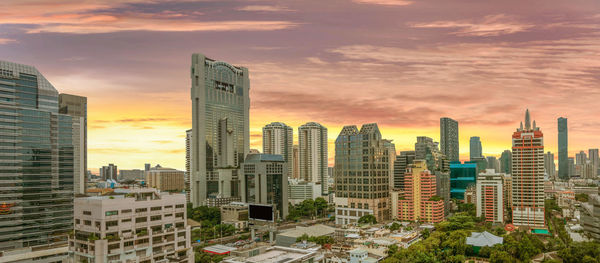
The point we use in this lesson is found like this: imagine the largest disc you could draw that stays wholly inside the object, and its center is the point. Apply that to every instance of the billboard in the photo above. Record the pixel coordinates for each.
(261, 212)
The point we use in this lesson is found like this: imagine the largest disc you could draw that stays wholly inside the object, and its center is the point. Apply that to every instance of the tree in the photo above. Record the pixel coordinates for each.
(582, 197)
(367, 219)
(500, 256)
(395, 226)
(321, 206)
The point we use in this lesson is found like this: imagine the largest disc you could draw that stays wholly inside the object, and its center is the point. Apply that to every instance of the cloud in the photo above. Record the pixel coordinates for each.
(316, 60)
(492, 25)
(384, 2)
(264, 8)
(7, 41)
(89, 17)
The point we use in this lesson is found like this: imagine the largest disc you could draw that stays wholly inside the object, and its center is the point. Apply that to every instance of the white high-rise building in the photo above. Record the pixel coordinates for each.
(528, 175)
(278, 138)
(188, 163)
(312, 140)
(594, 159)
(490, 196)
(220, 127)
(549, 165)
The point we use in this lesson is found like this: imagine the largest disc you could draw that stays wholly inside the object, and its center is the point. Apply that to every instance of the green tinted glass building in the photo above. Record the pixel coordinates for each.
(36, 160)
(461, 177)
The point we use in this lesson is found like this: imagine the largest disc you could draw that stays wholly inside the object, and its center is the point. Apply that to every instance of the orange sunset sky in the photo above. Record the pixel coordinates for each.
(403, 64)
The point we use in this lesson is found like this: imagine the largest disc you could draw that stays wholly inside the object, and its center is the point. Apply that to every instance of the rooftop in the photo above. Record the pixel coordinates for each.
(263, 157)
(484, 239)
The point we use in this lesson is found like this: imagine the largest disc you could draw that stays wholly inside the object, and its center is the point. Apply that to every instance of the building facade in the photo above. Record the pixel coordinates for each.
(109, 172)
(278, 138)
(590, 217)
(595, 160)
(296, 162)
(563, 149)
(528, 175)
(400, 164)
(490, 196)
(312, 142)
(299, 191)
(475, 149)
(166, 179)
(461, 177)
(420, 202)
(133, 174)
(506, 162)
(361, 174)
(140, 225)
(76, 107)
(449, 139)
(549, 165)
(220, 126)
(36, 167)
(264, 181)
(188, 164)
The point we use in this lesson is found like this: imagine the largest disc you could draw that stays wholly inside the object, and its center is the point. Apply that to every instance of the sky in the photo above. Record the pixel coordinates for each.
(402, 64)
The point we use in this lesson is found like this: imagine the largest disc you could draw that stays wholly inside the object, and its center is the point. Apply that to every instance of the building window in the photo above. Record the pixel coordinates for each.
(125, 211)
(179, 206)
(141, 210)
(87, 213)
(155, 218)
(111, 213)
(156, 208)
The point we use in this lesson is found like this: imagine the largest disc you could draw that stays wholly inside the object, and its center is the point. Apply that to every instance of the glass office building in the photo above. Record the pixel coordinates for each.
(461, 177)
(36, 161)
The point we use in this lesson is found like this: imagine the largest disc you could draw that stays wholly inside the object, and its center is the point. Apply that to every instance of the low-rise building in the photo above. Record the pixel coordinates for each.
(235, 214)
(590, 216)
(288, 238)
(299, 191)
(165, 179)
(139, 225)
(275, 254)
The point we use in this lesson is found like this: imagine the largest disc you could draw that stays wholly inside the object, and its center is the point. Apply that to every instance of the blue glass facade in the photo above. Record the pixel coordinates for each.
(36, 160)
(461, 177)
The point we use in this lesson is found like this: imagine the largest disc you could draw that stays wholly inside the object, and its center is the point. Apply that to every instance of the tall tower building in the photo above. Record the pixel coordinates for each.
(312, 141)
(400, 164)
(278, 138)
(506, 162)
(420, 201)
(109, 172)
(528, 175)
(572, 170)
(581, 158)
(475, 148)
(76, 107)
(188, 163)
(449, 138)
(36, 167)
(595, 160)
(549, 164)
(391, 158)
(220, 127)
(427, 149)
(295, 162)
(361, 174)
(563, 149)
(490, 196)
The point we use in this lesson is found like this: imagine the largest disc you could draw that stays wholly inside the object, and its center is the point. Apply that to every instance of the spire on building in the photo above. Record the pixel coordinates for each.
(527, 120)
(521, 127)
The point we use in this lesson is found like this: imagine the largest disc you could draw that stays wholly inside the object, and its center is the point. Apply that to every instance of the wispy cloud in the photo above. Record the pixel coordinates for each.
(265, 8)
(492, 25)
(6, 41)
(385, 2)
(316, 60)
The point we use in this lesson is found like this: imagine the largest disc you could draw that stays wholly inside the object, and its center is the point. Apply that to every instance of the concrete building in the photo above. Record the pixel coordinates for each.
(581, 158)
(391, 151)
(220, 126)
(109, 172)
(289, 237)
(165, 179)
(312, 141)
(299, 191)
(475, 147)
(442, 182)
(508, 191)
(549, 165)
(361, 174)
(274, 254)
(188, 164)
(278, 138)
(76, 107)
(506, 162)
(235, 214)
(471, 195)
(528, 175)
(572, 169)
(427, 149)
(420, 202)
(400, 164)
(595, 160)
(264, 181)
(449, 139)
(140, 225)
(563, 149)
(492, 163)
(461, 177)
(36, 167)
(296, 162)
(490, 196)
(590, 217)
(134, 174)
(587, 170)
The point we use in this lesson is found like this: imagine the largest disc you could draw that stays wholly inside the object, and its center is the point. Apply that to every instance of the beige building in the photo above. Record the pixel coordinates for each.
(165, 179)
(139, 225)
(236, 214)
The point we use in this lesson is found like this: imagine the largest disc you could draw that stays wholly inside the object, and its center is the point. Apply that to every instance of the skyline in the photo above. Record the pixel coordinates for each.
(136, 76)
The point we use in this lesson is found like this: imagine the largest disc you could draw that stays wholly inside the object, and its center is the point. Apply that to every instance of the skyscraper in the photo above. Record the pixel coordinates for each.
(400, 164)
(449, 138)
(490, 196)
(220, 127)
(563, 149)
(278, 138)
(391, 158)
(580, 158)
(506, 162)
(109, 172)
(420, 201)
(264, 181)
(571, 165)
(427, 149)
(361, 174)
(594, 159)
(528, 175)
(37, 161)
(549, 164)
(475, 147)
(312, 141)
(295, 162)
(76, 107)
(188, 163)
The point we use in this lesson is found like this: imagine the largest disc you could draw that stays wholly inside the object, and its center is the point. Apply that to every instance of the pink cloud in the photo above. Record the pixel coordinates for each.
(492, 25)
(384, 2)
